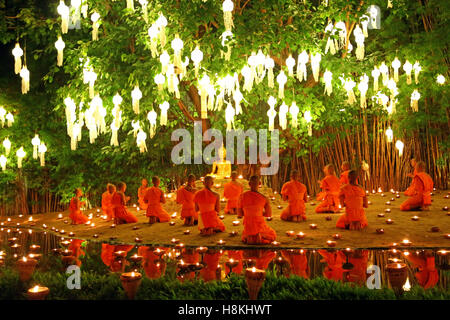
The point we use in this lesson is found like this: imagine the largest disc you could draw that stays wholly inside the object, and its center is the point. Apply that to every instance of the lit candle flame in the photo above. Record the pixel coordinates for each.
(35, 288)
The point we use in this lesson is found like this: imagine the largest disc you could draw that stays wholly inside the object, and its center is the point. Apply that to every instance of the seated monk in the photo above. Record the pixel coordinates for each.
(345, 167)
(232, 191)
(154, 196)
(420, 190)
(354, 199)
(412, 163)
(119, 201)
(185, 197)
(141, 194)
(75, 208)
(254, 207)
(295, 193)
(208, 203)
(107, 207)
(427, 275)
(330, 186)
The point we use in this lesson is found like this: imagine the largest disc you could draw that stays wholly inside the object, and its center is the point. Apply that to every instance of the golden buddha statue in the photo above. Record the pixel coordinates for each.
(222, 168)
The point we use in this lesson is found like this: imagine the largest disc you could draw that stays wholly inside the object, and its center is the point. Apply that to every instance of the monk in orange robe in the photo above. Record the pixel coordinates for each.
(295, 193)
(254, 206)
(298, 262)
(232, 191)
(413, 164)
(119, 201)
(427, 275)
(345, 167)
(141, 194)
(420, 190)
(208, 203)
(154, 196)
(75, 247)
(75, 208)
(334, 260)
(185, 197)
(354, 199)
(331, 187)
(107, 207)
(154, 267)
(211, 260)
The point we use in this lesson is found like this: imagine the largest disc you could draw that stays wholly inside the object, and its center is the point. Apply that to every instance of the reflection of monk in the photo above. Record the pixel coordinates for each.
(75, 247)
(190, 256)
(153, 269)
(211, 259)
(334, 260)
(298, 262)
(222, 168)
(232, 191)
(236, 255)
(261, 257)
(427, 275)
(110, 260)
(358, 274)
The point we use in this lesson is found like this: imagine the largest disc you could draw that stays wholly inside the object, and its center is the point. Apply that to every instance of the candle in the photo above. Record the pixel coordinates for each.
(397, 196)
(135, 258)
(415, 218)
(312, 203)
(231, 263)
(138, 240)
(397, 274)
(380, 231)
(223, 200)
(26, 268)
(175, 240)
(201, 250)
(331, 243)
(95, 235)
(387, 210)
(445, 208)
(179, 246)
(328, 218)
(392, 199)
(272, 198)
(290, 233)
(337, 236)
(236, 223)
(172, 223)
(435, 229)
(37, 293)
(60, 216)
(406, 242)
(447, 236)
(275, 243)
(186, 232)
(269, 218)
(158, 252)
(130, 283)
(380, 215)
(174, 215)
(313, 226)
(388, 203)
(389, 221)
(65, 243)
(383, 195)
(221, 217)
(135, 228)
(35, 248)
(300, 235)
(241, 177)
(221, 242)
(254, 278)
(113, 225)
(233, 233)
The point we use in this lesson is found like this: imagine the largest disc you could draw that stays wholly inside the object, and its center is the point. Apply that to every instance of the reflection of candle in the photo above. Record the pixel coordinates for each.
(174, 240)
(179, 246)
(331, 243)
(201, 250)
(406, 242)
(240, 176)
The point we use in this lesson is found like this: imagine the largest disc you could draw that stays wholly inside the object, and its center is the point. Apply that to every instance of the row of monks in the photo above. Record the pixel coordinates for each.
(203, 206)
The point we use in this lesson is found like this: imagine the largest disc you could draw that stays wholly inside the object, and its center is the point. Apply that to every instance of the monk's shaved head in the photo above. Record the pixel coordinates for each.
(295, 174)
(144, 182)
(78, 191)
(254, 183)
(329, 168)
(111, 188)
(420, 166)
(234, 175)
(155, 180)
(121, 186)
(352, 176)
(345, 166)
(191, 178)
(208, 181)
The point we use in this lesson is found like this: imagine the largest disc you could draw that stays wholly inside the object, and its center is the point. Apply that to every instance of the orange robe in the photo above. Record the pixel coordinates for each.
(189, 257)
(108, 257)
(121, 214)
(358, 274)
(331, 186)
(419, 192)
(75, 213)
(186, 199)
(154, 207)
(107, 205)
(295, 192)
(153, 270)
(252, 204)
(334, 260)
(211, 260)
(428, 275)
(232, 191)
(354, 210)
(298, 263)
(75, 247)
(261, 257)
(141, 194)
(206, 201)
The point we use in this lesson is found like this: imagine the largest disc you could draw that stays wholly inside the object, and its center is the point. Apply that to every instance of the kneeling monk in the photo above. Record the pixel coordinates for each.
(295, 193)
(75, 208)
(419, 191)
(331, 187)
(119, 201)
(208, 203)
(185, 197)
(354, 199)
(345, 167)
(141, 194)
(232, 191)
(254, 207)
(154, 196)
(107, 207)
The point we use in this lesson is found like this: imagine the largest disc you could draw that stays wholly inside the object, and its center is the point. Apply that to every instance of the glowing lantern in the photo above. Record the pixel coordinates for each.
(308, 119)
(227, 7)
(293, 110)
(140, 140)
(91, 77)
(144, 4)
(417, 69)
(114, 135)
(327, 77)
(159, 80)
(229, 116)
(374, 13)
(177, 46)
(281, 79)
(153, 32)
(117, 100)
(204, 85)
(20, 155)
(364, 23)
(2, 115)
(7, 145)
(269, 64)
(164, 107)
(161, 22)
(248, 78)
(3, 161)
(301, 66)
(42, 151)
(197, 57)
(237, 97)
(151, 116)
(25, 75)
(64, 11)
(342, 29)
(330, 42)
(359, 39)
(136, 127)
(362, 87)
(35, 142)
(415, 96)
(349, 84)
(95, 25)
(136, 95)
(260, 60)
(17, 53)
(9, 119)
(271, 113)
(375, 75)
(315, 65)
(60, 45)
(440, 79)
(389, 4)
(399, 145)
(384, 73)
(76, 9)
(290, 63)
(282, 115)
(389, 134)
(130, 4)
(396, 65)
(164, 58)
(407, 67)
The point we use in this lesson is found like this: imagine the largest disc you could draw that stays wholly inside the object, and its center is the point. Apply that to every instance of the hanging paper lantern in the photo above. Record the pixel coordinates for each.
(248, 78)
(3, 161)
(42, 151)
(117, 100)
(91, 77)
(364, 23)
(17, 53)
(84, 9)
(301, 66)
(282, 115)
(407, 67)
(417, 69)
(359, 39)
(375, 75)
(269, 64)
(130, 5)
(227, 36)
(362, 87)
(20, 155)
(342, 32)
(164, 58)
(184, 67)
(294, 110)
(211, 93)
(136, 95)
(227, 7)
(440, 79)
(204, 85)
(151, 116)
(114, 135)
(384, 73)
(144, 4)
(60, 45)
(164, 107)
(392, 86)
(153, 33)
(7, 145)
(76, 135)
(327, 77)
(177, 46)
(161, 22)
(229, 116)
(389, 134)
(330, 41)
(399, 145)
(160, 80)
(25, 75)
(95, 17)
(76, 13)
(197, 57)
(315, 65)
(290, 63)
(238, 97)
(308, 118)
(140, 141)
(136, 127)
(391, 108)
(64, 12)
(349, 84)
(35, 142)
(281, 79)
(2, 115)
(251, 61)
(70, 114)
(271, 113)
(396, 65)
(415, 96)
(260, 60)
(374, 13)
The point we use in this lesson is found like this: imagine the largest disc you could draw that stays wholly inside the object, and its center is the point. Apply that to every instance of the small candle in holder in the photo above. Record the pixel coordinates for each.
(389, 221)
(233, 233)
(221, 242)
(383, 195)
(221, 217)
(71, 234)
(275, 243)
(397, 196)
(223, 200)
(280, 207)
(415, 218)
(406, 242)
(380, 231)
(113, 225)
(174, 215)
(60, 216)
(381, 215)
(369, 202)
(435, 229)
(300, 235)
(392, 199)
(290, 233)
(387, 210)
(236, 223)
(447, 236)
(179, 246)
(171, 223)
(138, 240)
(269, 218)
(331, 243)
(313, 226)
(37, 293)
(135, 228)
(201, 250)
(186, 232)
(337, 236)
(95, 235)
(388, 203)
(175, 241)
(445, 208)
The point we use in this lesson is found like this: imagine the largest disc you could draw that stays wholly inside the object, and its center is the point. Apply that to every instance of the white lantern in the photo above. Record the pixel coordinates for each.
(282, 115)
(64, 12)
(342, 29)
(153, 33)
(144, 4)
(359, 39)
(7, 145)
(3, 161)
(327, 77)
(2, 115)
(362, 87)
(161, 22)
(140, 140)
(415, 96)
(114, 135)
(151, 116)
(91, 77)
(60, 45)
(349, 84)
(290, 63)
(42, 151)
(294, 110)
(269, 64)
(440, 79)
(130, 5)
(17, 53)
(407, 67)
(229, 116)
(227, 7)
(384, 73)
(330, 42)
(399, 145)
(308, 118)
(238, 97)
(389, 134)
(136, 127)
(315, 65)
(35, 142)
(160, 80)
(281, 79)
(95, 17)
(375, 75)
(76, 13)
(20, 155)
(227, 36)
(164, 58)
(197, 57)
(164, 107)
(271, 113)
(204, 85)
(301, 66)
(260, 60)
(417, 69)
(364, 23)
(136, 95)
(177, 46)
(248, 78)
(396, 65)
(25, 75)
